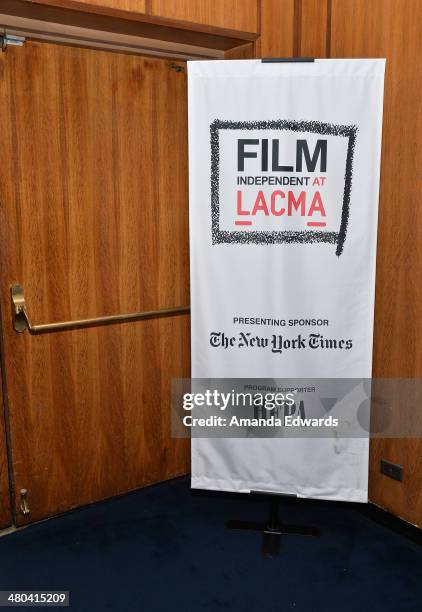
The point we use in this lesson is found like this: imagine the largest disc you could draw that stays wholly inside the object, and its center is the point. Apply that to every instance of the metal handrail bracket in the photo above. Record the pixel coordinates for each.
(21, 320)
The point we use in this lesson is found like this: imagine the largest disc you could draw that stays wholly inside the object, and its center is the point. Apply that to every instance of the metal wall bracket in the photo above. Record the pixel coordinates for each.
(7, 40)
(21, 320)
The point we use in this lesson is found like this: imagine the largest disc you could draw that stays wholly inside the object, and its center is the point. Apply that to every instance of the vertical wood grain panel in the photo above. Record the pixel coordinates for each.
(243, 52)
(134, 6)
(5, 514)
(93, 221)
(391, 29)
(312, 24)
(277, 28)
(231, 14)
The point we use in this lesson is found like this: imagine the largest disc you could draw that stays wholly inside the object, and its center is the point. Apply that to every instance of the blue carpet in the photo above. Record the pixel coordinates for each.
(165, 548)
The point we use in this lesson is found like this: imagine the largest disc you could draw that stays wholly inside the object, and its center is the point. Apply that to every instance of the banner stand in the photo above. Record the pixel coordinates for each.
(272, 529)
(312, 110)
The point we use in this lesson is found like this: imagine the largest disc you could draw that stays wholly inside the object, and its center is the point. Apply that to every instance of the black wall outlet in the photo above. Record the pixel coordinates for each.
(393, 470)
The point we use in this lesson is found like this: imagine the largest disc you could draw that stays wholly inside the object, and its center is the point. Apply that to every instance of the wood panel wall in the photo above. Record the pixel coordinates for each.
(232, 14)
(235, 15)
(277, 28)
(312, 18)
(390, 29)
(137, 6)
(5, 515)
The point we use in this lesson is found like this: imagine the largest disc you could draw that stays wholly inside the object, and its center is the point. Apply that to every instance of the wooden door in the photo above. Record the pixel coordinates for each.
(5, 514)
(390, 29)
(93, 218)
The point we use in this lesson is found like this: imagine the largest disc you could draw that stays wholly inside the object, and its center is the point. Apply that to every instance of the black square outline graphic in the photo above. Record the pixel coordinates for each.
(286, 236)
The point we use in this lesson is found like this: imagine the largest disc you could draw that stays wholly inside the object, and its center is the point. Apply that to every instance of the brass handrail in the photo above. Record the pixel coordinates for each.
(21, 320)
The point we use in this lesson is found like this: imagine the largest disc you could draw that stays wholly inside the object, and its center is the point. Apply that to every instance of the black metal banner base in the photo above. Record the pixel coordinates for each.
(273, 529)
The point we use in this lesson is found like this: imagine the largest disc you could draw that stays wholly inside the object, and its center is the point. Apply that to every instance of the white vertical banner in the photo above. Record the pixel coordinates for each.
(284, 162)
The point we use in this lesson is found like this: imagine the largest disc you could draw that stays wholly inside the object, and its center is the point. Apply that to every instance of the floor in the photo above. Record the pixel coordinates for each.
(166, 548)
